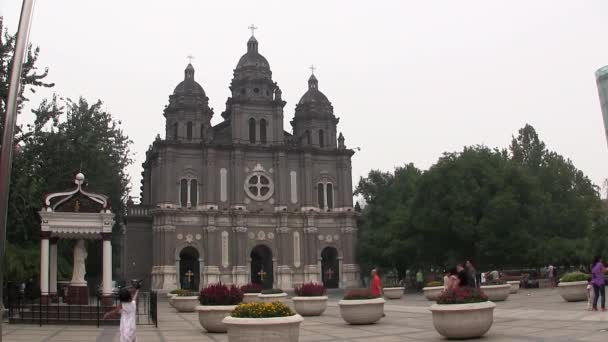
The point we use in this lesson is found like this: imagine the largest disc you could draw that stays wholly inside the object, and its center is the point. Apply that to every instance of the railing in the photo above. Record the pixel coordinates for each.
(42, 310)
(138, 210)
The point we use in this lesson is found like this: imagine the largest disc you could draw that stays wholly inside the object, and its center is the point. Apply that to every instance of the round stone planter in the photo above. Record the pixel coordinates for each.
(276, 329)
(185, 303)
(210, 317)
(514, 286)
(275, 297)
(497, 293)
(460, 321)
(393, 292)
(310, 306)
(433, 292)
(574, 291)
(362, 311)
(171, 299)
(250, 297)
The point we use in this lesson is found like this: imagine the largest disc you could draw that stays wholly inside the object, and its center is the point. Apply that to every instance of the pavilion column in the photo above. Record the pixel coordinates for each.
(107, 267)
(53, 268)
(44, 264)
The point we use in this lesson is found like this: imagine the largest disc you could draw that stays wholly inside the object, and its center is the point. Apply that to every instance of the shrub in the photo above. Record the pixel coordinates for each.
(185, 293)
(251, 288)
(495, 282)
(175, 291)
(310, 290)
(434, 283)
(220, 294)
(462, 295)
(359, 294)
(574, 276)
(392, 284)
(271, 291)
(262, 310)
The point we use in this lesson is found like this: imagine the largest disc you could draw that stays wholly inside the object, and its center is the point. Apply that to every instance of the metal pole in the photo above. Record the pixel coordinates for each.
(10, 119)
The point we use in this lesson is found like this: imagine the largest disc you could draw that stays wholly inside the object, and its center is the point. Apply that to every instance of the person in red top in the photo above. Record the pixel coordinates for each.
(376, 284)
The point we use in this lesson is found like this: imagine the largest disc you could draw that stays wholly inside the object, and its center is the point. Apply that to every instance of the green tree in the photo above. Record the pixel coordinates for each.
(89, 140)
(31, 79)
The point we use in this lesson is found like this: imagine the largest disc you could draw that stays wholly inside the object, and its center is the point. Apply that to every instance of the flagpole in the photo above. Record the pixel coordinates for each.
(10, 120)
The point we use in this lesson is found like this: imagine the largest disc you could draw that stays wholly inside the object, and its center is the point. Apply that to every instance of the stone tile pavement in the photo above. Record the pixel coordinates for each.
(530, 315)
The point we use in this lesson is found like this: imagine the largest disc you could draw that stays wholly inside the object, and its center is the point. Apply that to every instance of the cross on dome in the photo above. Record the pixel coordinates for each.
(312, 69)
(190, 58)
(253, 28)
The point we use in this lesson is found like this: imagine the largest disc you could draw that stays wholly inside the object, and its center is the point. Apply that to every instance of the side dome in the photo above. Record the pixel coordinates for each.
(189, 86)
(313, 95)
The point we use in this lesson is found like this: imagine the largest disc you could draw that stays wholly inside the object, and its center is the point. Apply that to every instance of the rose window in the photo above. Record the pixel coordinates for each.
(259, 186)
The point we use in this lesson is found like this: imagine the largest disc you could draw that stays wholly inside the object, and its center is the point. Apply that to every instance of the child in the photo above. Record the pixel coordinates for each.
(589, 294)
(126, 309)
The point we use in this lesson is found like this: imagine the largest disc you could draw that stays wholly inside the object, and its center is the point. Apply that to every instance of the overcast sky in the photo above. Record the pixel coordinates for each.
(408, 79)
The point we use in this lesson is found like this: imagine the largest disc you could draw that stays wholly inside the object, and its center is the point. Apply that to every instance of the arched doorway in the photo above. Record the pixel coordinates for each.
(261, 266)
(189, 269)
(330, 268)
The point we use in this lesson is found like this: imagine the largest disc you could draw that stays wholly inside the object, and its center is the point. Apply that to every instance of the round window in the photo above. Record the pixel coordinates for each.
(259, 186)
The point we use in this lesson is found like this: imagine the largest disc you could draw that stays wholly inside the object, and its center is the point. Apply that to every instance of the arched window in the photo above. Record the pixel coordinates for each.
(203, 132)
(307, 137)
(175, 131)
(321, 141)
(183, 193)
(263, 131)
(325, 195)
(321, 195)
(189, 130)
(252, 130)
(330, 195)
(193, 193)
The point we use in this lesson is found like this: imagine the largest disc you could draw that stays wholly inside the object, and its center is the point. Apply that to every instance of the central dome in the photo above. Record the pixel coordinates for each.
(252, 59)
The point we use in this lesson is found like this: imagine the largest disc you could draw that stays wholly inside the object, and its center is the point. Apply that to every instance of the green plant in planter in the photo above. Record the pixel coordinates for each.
(220, 294)
(434, 283)
(495, 282)
(175, 291)
(271, 291)
(462, 295)
(574, 276)
(359, 294)
(262, 310)
(185, 293)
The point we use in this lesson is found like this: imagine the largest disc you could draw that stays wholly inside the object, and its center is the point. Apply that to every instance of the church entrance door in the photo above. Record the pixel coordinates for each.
(189, 269)
(261, 266)
(330, 268)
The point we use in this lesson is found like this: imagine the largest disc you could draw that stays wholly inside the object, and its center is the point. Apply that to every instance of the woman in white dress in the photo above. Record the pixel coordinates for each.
(127, 311)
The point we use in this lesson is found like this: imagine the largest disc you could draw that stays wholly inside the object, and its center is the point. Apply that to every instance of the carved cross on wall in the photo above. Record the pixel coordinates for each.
(262, 274)
(329, 273)
(189, 275)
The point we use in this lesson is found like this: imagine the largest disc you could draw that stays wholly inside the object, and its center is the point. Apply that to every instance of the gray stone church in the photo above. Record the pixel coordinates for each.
(244, 201)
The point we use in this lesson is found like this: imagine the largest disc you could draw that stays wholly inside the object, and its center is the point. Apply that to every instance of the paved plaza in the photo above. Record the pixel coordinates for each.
(530, 315)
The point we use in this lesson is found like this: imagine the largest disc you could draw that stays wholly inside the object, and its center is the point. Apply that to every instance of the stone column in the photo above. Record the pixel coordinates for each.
(44, 264)
(106, 283)
(284, 271)
(53, 268)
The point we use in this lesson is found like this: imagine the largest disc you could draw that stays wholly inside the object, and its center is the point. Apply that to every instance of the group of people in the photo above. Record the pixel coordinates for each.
(461, 276)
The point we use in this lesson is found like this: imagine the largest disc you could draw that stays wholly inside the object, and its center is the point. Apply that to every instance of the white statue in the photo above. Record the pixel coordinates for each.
(80, 255)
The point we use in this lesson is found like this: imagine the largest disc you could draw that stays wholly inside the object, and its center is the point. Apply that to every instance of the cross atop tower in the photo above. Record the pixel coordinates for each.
(312, 69)
(190, 58)
(253, 28)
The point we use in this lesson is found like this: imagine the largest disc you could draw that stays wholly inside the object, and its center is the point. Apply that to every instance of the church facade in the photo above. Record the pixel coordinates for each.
(243, 200)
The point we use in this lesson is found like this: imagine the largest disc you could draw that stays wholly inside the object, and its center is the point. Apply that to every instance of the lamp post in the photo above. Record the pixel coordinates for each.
(10, 119)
